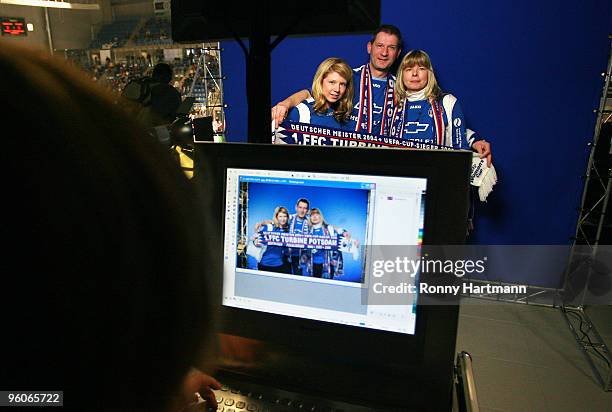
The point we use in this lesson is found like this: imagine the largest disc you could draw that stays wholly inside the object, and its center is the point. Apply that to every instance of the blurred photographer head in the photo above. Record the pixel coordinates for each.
(162, 73)
(104, 295)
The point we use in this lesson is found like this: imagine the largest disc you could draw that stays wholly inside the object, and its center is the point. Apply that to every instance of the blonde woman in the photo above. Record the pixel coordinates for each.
(331, 103)
(324, 263)
(275, 258)
(425, 113)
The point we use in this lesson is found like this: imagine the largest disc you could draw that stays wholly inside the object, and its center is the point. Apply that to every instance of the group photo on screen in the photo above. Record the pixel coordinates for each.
(307, 231)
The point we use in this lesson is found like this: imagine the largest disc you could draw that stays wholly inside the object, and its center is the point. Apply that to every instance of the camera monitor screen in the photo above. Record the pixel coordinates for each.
(295, 229)
(296, 243)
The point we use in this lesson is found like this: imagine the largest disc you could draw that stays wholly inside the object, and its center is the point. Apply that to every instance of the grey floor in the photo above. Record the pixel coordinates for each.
(526, 359)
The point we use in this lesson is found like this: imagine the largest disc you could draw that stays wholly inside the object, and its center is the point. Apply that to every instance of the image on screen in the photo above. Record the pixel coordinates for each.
(296, 243)
(304, 230)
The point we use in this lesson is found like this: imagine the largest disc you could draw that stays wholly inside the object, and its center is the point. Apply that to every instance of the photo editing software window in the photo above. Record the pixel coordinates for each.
(296, 243)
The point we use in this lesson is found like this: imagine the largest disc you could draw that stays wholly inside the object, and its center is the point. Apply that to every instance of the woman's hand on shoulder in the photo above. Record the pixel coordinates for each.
(279, 113)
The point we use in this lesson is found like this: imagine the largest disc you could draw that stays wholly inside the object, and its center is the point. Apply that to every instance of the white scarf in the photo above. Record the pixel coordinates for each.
(416, 96)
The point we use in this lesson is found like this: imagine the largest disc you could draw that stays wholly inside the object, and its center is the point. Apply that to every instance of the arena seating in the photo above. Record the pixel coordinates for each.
(154, 31)
(114, 34)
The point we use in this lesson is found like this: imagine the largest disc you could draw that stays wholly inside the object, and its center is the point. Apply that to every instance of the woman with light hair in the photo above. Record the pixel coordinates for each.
(423, 112)
(274, 258)
(324, 263)
(332, 97)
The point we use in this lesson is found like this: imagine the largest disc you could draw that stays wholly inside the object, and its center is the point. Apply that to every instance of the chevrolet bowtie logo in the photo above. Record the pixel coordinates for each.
(415, 127)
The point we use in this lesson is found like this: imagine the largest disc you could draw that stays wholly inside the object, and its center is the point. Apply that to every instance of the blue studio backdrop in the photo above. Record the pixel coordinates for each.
(528, 77)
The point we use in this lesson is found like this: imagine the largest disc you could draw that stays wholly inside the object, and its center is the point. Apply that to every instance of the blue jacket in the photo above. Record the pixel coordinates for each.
(304, 113)
(415, 121)
(273, 255)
